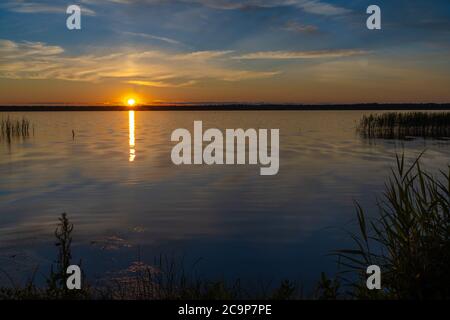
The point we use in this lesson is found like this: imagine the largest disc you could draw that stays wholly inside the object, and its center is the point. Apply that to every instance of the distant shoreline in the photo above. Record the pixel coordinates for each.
(235, 107)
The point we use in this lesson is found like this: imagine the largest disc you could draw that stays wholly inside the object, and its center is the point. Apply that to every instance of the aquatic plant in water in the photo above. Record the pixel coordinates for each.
(10, 129)
(402, 125)
(409, 239)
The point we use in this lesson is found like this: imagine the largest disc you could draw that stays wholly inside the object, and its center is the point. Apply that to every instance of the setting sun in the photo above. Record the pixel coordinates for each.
(131, 102)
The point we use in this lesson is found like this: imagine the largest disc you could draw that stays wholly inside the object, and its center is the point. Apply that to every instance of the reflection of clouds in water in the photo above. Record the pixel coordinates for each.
(138, 279)
(324, 166)
(138, 266)
(139, 229)
(111, 243)
(126, 239)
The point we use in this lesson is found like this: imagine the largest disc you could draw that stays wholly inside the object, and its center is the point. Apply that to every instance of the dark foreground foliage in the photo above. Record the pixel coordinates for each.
(409, 239)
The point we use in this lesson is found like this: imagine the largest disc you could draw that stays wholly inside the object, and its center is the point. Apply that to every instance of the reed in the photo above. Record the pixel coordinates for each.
(409, 239)
(15, 128)
(398, 125)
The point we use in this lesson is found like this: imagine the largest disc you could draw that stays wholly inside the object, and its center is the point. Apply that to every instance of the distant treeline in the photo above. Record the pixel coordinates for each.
(235, 107)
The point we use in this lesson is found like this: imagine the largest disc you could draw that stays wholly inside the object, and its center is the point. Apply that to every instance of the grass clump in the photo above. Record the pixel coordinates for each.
(167, 279)
(15, 128)
(409, 239)
(400, 125)
(56, 281)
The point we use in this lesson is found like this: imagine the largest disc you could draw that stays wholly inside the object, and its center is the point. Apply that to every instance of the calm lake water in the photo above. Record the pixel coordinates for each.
(129, 202)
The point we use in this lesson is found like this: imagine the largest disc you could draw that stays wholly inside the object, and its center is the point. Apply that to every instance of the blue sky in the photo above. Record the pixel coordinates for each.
(226, 50)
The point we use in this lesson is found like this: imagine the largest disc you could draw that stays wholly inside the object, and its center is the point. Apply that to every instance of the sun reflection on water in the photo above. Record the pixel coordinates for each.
(131, 135)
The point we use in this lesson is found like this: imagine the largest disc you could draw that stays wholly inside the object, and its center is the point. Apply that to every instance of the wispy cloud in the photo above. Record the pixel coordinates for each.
(14, 50)
(33, 7)
(201, 55)
(294, 26)
(162, 84)
(284, 55)
(321, 8)
(318, 7)
(37, 60)
(152, 37)
(311, 6)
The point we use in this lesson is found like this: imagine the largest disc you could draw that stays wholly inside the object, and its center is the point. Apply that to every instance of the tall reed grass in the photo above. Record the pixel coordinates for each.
(409, 239)
(398, 125)
(15, 128)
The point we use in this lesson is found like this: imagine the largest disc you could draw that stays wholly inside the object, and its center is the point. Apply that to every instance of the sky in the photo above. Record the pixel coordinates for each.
(193, 51)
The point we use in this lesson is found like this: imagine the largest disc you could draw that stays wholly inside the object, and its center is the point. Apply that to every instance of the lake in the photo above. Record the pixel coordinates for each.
(129, 202)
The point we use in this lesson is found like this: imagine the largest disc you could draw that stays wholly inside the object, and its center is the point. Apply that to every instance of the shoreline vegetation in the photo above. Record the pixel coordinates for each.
(396, 125)
(409, 240)
(11, 129)
(232, 107)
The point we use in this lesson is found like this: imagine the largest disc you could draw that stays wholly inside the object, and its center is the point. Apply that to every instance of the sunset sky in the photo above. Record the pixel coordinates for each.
(293, 51)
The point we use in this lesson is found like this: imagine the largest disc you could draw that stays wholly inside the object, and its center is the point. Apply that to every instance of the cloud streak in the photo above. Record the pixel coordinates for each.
(152, 37)
(37, 60)
(318, 7)
(310, 6)
(289, 55)
(300, 28)
(162, 84)
(36, 8)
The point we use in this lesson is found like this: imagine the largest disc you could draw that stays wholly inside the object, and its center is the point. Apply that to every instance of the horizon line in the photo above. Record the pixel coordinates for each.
(231, 107)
